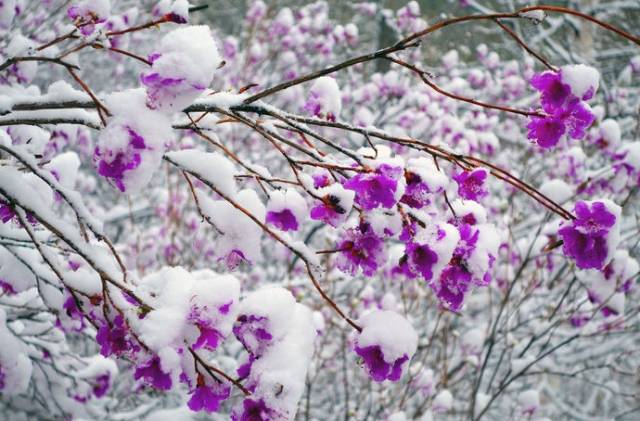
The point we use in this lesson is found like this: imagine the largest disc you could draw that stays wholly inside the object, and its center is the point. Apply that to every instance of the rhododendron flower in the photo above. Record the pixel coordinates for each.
(130, 148)
(181, 69)
(6, 212)
(113, 165)
(562, 96)
(471, 184)
(113, 337)
(286, 210)
(377, 188)
(88, 13)
(207, 397)
(152, 373)
(591, 238)
(360, 248)
(335, 205)
(387, 341)
(253, 332)
(101, 385)
(423, 179)
(324, 99)
(254, 410)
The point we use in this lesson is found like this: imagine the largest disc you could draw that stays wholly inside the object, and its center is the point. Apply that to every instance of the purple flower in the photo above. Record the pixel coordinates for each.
(284, 220)
(87, 14)
(378, 368)
(421, 259)
(329, 211)
(113, 164)
(112, 338)
(360, 248)
(452, 286)
(554, 92)
(101, 385)
(233, 259)
(254, 410)
(377, 188)
(586, 239)
(6, 212)
(209, 338)
(547, 131)
(565, 111)
(417, 193)
(253, 332)
(2, 376)
(6, 287)
(152, 373)
(471, 184)
(208, 397)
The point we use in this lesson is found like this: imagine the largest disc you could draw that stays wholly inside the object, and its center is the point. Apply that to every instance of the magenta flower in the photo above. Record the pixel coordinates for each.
(208, 397)
(554, 92)
(6, 212)
(378, 368)
(233, 259)
(471, 184)
(452, 286)
(112, 338)
(6, 287)
(209, 338)
(152, 373)
(417, 193)
(361, 248)
(284, 220)
(254, 410)
(253, 332)
(101, 385)
(586, 239)
(566, 112)
(421, 259)
(113, 164)
(377, 188)
(87, 14)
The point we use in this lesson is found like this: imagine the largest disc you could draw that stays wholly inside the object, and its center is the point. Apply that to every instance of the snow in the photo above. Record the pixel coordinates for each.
(15, 363)
(130, 111)
(610, 131)
(631, 152)
(326, 91)
(443, 401)
(289, 199)
(212, 167)
(557, 190)
(529, 400)
(280, 372)
(240, 232)
(392, 332)
(189, 55)
(582, 79)
(535, 15)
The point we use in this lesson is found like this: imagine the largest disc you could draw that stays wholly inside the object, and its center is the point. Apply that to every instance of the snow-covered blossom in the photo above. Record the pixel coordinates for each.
(592, 237)
(563, 96)
(182, 68)
(360, 248)
(130, 148)
(471, 184)
(324, 99)
(378, 188)
(335, 205)
(286, 210)
(86, 14)
(386, 344)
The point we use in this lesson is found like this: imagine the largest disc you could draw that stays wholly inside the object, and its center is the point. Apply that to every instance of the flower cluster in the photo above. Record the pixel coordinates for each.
(88, 13)
(563, 96)
(593, 236)
(386, 344)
